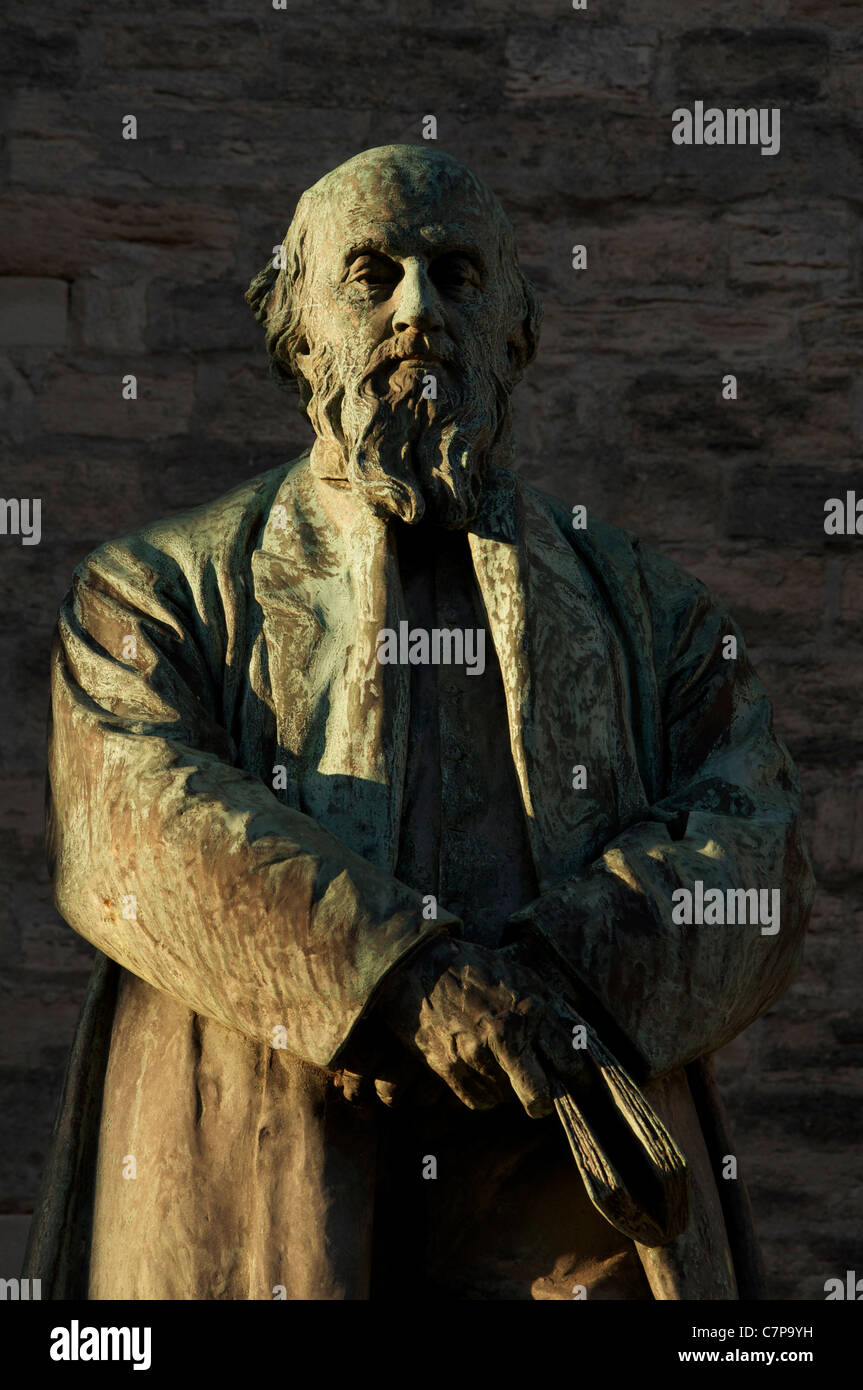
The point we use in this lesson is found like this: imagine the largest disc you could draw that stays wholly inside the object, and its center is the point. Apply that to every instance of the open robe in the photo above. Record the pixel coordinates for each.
(202, 653)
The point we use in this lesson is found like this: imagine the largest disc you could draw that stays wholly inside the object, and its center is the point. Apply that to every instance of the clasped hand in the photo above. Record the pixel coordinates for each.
(487, 1023)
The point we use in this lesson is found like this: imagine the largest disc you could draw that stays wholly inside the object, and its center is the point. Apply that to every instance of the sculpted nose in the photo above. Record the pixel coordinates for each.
(418, 304)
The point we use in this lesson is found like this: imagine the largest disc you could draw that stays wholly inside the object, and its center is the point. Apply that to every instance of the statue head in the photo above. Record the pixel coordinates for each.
(399, 313)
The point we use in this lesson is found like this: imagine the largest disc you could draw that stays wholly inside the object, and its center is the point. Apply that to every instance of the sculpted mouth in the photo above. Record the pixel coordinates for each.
(419, 358)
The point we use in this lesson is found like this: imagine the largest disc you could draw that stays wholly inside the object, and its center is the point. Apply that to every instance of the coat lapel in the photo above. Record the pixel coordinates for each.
(565, 677)
(326, 581)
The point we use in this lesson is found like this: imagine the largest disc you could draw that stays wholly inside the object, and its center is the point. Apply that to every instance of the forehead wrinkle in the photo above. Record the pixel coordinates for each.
(405, 247)
(400, 241)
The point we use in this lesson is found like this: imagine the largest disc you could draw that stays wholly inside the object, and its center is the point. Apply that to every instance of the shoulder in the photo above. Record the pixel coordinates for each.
(588, 532)
(214, 537)
(629, 572)
(600, 543)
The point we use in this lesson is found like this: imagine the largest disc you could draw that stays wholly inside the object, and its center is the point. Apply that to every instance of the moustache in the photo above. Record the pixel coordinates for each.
(403, 347)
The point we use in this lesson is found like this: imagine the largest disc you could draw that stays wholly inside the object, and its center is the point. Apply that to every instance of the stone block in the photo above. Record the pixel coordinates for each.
(201, 318)
(33, 311)
(849, 623)
(832, 333)
(676, 328)
(784, 502)
(776, 596)
(109, 310)
(836, 844)
(242, 404)
(767, 66)
(39, 58)
(799, 249)
(59, 236)
(549, 62)
(80, 402)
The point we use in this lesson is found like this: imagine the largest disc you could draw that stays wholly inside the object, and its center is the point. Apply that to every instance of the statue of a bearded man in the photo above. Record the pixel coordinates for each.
(379, 787)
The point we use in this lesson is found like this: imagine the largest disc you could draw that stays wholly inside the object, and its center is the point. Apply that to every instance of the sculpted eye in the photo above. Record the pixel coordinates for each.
(455, 272)
(373, 271)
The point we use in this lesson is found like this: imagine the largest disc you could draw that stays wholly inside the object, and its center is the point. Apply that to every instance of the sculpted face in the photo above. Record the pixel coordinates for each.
(389, 285)
(407, 332)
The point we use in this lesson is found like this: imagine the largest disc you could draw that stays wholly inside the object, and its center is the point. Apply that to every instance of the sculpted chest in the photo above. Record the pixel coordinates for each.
(331, 603)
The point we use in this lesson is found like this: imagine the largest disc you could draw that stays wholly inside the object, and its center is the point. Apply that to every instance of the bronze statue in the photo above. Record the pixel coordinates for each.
(405, 812)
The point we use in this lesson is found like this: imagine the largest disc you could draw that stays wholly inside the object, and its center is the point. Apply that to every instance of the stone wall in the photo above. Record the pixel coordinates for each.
(131, 256)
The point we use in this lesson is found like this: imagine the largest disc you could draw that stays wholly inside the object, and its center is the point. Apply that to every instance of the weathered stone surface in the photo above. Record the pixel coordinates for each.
(648, 249)
(849, 622)
(32, 311)
(109, 310)
(181, 315)
(39, 58)
(198, 467)
(813, 707)
(783, 499)
(241, 404)
(562, 61)
(189, 47)
(751, 67)
(845, 83)
(808, 417)
(56, 236)
(838, 831)
(774, 602)
(788, 250)
(676, 328)
(80, 402)
(832, 333)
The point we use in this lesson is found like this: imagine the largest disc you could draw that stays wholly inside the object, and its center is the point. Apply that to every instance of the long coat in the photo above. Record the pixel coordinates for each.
(246, 916)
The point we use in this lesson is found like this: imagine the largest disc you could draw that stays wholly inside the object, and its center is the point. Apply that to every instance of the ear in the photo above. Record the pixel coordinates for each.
(523, 338)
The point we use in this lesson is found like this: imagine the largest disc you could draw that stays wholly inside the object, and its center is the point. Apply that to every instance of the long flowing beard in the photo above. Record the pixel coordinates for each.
(408, 453)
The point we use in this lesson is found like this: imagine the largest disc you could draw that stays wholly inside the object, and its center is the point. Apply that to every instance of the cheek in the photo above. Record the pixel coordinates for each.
(483, 332)
(481, 315)
(351, 319)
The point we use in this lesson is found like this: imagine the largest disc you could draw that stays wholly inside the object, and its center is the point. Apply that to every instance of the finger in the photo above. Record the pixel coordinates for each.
(388, 1092)
(475, 1091)
(466, 1065)
(395, 1075)
(353, 1086)
(528, 1078)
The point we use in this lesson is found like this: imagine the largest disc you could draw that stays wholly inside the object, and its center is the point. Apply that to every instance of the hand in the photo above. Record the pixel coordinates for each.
(487, 1023)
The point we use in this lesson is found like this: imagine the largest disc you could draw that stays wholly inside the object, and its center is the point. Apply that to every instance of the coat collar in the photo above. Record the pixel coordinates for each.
(326, 579)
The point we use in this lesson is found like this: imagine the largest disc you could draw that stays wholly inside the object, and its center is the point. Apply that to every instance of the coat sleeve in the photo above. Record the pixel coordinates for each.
(182, 866)
(727, 816)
